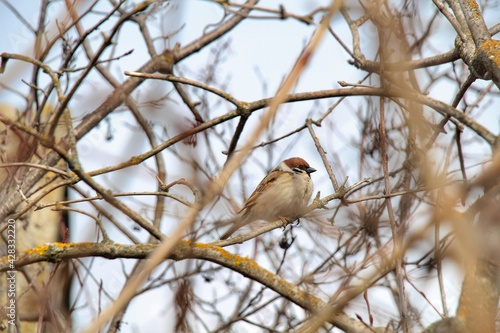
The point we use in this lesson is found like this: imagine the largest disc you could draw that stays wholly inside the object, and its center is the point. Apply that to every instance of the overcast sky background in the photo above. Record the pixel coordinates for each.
(258, 51)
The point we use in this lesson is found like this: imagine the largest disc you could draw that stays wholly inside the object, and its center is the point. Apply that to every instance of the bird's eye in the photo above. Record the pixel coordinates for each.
(300, 168)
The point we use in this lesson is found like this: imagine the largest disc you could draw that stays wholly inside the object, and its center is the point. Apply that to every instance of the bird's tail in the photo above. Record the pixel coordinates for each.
(228, 233)
(236, 223)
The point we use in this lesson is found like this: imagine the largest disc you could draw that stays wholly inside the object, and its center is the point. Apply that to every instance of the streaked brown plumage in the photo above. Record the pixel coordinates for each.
(283, 193)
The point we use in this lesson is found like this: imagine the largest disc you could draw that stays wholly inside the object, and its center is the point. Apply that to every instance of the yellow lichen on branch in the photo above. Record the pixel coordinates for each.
(491, 48)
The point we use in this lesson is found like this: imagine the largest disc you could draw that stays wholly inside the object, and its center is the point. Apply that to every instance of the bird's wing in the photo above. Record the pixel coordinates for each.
(265, 183)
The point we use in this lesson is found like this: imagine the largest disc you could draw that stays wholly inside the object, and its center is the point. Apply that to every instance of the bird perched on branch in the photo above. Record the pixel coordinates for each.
(283, 194)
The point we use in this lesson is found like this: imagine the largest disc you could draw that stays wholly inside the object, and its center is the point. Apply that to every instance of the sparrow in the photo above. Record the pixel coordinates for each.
(283, 194)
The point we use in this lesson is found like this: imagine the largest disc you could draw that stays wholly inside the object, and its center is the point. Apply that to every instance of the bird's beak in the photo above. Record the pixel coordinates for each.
(310, 170)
